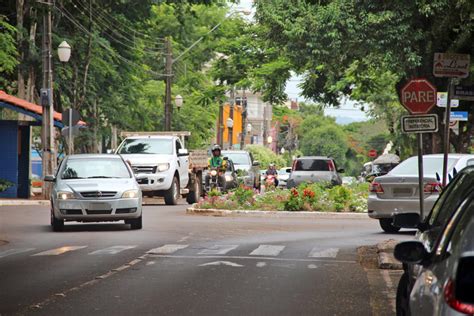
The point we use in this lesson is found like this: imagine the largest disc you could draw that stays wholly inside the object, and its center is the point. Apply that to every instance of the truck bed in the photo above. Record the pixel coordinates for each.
(198, 160)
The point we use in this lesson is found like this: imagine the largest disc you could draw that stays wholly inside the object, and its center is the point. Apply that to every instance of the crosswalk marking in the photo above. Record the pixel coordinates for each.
(14, 251)
(326, 253)
(218, 250)
(267, 250)
(111, 250)
(166, 249)
(59, 251)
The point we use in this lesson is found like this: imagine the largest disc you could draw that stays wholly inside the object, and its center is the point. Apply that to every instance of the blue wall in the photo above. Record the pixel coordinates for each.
(9, 156)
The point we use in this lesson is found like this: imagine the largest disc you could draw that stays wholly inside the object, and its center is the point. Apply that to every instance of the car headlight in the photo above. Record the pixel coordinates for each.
(229, 178)
(162, 167)
(64, 195)
(130, 194)
(213, 173)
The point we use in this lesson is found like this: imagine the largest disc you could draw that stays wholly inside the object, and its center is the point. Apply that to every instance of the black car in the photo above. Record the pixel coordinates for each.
(430, 229)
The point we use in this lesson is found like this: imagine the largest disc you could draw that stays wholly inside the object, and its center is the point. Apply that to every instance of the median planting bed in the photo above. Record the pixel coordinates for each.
(306, 197)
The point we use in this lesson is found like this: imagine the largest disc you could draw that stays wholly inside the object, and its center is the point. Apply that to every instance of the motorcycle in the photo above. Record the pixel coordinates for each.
(214, 183)
(270, 181)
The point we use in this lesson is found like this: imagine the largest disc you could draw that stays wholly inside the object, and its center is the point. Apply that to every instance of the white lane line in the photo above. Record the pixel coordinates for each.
(267, 250)
(312, 266)
(111, 250)
(14, 251)
(261, 264)
(59, 251)
(326, 253)
(166, 249)
(218, 250)
(219, 263)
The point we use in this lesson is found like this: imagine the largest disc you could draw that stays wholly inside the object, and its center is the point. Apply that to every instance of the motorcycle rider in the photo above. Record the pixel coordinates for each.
(271, 171)
(219, 163)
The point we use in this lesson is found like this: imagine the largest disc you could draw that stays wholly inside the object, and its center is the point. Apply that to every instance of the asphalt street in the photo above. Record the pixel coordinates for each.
(182, 264)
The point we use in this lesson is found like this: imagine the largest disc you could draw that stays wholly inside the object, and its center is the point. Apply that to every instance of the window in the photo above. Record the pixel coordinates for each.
(312, 165)
(431, 166)
(85, 168)
(178, 146)
(160, 146)
(238, 158)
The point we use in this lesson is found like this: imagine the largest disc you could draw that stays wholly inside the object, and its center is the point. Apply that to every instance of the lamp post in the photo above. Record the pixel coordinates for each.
(64, 53)
(230, 125)
(178, 100)
(248, 129)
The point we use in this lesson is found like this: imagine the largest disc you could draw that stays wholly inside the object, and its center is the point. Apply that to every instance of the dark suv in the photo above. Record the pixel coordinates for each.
(313, 169)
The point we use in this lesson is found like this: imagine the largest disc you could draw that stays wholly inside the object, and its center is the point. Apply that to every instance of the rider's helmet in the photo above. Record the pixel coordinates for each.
(216, 148)
(272, 165)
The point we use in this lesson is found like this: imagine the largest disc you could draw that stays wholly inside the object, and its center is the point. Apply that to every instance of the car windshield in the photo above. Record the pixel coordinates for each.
(147, 146)
(238, 158)
(282, 171)
(312, 165)
(95, 168)
(431, 166)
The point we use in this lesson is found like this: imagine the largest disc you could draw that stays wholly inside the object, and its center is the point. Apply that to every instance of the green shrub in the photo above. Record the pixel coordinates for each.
(5, 184)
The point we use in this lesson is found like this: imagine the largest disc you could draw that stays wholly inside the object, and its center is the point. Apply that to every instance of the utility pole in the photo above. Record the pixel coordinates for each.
(231, 115)
(168, 79)
(244, 120)
(47, 136)
(220, 126)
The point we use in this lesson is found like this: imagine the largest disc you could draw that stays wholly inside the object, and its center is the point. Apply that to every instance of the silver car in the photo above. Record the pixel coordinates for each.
(397, 191)
(445, 281)
(312, 169)
(95, 188)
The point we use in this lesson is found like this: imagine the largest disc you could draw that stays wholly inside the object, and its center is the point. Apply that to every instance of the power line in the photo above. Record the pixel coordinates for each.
(68, 16)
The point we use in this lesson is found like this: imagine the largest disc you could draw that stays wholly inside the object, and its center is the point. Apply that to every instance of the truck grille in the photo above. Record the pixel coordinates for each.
(144, 169)
(98, 212)
(98, 194)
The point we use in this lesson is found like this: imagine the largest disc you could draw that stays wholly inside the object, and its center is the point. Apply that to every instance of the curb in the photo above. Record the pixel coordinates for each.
(253, 213)
(23, 202)
(386, 260)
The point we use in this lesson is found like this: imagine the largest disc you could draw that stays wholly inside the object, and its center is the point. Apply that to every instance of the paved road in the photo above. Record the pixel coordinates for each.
(190, 265)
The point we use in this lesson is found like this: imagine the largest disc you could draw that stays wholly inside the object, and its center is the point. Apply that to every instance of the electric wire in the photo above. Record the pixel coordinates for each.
(114, 54)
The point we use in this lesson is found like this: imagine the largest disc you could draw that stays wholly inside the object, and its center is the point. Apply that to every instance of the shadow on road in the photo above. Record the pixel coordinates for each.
(91, 227)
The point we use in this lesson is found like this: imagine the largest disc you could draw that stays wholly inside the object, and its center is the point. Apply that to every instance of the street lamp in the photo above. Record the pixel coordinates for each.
(64, 52)
(282, 150)
(249, 128)
(230, 125)
(269, 140)
(178, 100)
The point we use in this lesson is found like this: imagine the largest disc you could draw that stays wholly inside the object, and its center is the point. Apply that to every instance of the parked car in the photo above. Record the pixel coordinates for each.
(444, 284)
(430, 230)
(397, 191)
(231, 179)
(247, 168)
(283, 176)
(313, 169)
(95, 188)
(348, 180)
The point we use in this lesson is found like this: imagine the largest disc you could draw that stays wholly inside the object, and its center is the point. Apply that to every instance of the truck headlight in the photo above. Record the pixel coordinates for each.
(162, 167)
(130, 194)
(213, 173)
(229, 178)
(64, 195)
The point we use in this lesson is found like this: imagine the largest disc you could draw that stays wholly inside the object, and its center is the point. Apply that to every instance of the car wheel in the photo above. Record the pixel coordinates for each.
(387, 225)
(195, 193)
(403, 296)
(57, 224)
(172, 195)
(135, 223)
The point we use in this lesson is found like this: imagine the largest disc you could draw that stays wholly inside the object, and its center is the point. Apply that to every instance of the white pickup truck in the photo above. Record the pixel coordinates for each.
(163, 166)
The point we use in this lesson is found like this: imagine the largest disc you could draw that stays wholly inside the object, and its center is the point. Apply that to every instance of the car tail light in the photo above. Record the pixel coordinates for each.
(293, 168)
(432, 187)
(331, 166)
(453, 302)
(376, 187)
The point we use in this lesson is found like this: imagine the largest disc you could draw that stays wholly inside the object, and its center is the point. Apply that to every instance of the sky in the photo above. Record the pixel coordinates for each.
(346, 113)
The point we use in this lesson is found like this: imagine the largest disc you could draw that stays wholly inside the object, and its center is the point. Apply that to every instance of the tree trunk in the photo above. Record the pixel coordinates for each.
(20, 4)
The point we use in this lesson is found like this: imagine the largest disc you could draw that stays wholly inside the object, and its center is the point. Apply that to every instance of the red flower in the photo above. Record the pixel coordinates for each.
(294, 192)
(308, 193)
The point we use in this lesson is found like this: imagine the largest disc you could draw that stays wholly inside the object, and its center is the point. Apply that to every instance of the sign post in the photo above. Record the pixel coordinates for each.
(418, 96)
(70, 118)
(449, 65)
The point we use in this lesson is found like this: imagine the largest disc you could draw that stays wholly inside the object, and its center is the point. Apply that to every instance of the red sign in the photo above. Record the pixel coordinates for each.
(372, 153)
(418, 96)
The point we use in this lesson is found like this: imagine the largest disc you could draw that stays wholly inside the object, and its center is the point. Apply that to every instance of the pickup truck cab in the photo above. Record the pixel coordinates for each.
(160, 163)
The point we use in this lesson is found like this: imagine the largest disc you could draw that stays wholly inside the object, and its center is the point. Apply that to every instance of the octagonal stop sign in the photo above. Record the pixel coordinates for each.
(418, 96)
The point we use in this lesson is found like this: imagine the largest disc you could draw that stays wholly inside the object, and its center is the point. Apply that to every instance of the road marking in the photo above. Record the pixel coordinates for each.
(14, 251)
(267, 250)
(254, 258)
(59, 251)
(312, 266)
(326, 253)
(166, 249)
(218, 250)
(218, 263)
(111, 250)
(261, 264)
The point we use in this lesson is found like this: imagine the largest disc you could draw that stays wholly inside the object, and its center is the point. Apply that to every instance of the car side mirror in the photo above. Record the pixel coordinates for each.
(288, 170)
(406, 220)
(49, 178)
(183, 152)
(256, 164)
(411, 252)
(341, 170)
